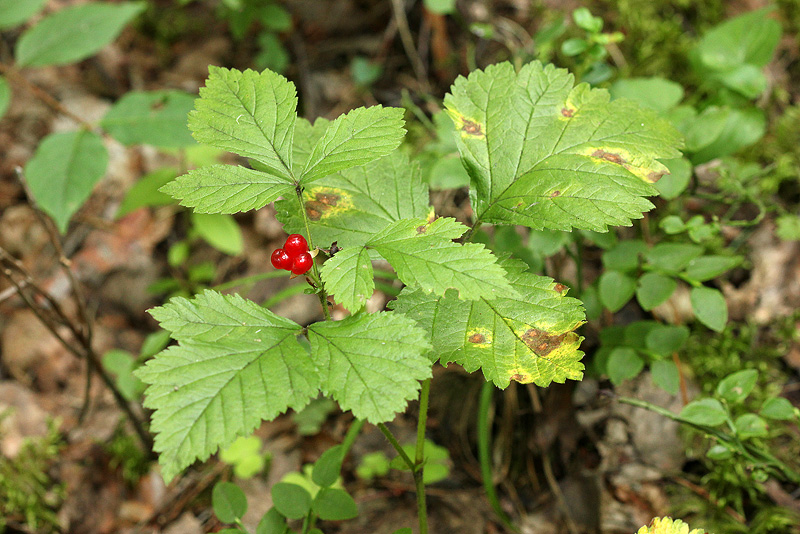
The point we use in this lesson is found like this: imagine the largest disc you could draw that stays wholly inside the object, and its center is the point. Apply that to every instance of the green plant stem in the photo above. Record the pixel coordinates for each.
(396, 444)
(323, 296)
(484, 452)
(419, 460)
(352, 434)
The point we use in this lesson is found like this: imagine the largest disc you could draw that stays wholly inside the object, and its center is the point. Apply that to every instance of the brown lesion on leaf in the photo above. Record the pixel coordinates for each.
(477, 338)
(541, 342)
(321, 203)
(609, 156)
(568, 112)
(559, 287)
(422, 228)
(655, 176)
(555, 194)
(471, 128)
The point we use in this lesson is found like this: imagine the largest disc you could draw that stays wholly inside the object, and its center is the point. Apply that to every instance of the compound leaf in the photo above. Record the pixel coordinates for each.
(227, 189)
(527, 339)
(546, 155)
(356, 138)
(424, 255)
(249, 113)
(350, 206)
(74, 33)
(236, 364)
(349, 277)
(370, 364)
(63, 172)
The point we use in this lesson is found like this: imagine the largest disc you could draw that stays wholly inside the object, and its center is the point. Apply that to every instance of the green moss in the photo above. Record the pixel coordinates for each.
(28, 494)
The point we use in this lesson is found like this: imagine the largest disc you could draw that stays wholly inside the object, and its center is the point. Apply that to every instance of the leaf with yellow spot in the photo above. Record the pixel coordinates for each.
(527, 338)
(545, 154)
(352, 205)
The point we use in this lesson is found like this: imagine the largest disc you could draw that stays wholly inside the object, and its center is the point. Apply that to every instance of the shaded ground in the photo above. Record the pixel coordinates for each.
(564, 448)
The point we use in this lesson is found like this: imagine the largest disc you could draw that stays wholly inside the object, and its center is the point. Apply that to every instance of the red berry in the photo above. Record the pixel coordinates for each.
(302, 263)
(281, 260)
(295, 244)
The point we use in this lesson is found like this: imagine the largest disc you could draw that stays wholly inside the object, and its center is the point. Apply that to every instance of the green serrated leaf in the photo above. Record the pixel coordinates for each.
(360, 136)
(370, 364)
(228, 501)
(15, 12)
(220, 231)
(654, 289)
(236, 364)
(74, 33)
(527, 338)
(709, 307)
(154, 118)
(63, 171)
(546, 155)
(424, 255)
(248, 113)
(350, 206)
(227, 189)
(349, 277)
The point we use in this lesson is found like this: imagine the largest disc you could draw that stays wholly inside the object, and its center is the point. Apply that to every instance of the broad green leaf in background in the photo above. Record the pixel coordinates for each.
(248, 113)
(229, 502)
(708, 267)
(63, 172)
(442, 7)
(664, 339)
(220, 231)
(654, 289)
(750, 425)
(424, 255)
(291, 500)
(665, 375)
(448, 173)
(328, 466)
(655, 93)
(735, 387)
(546, 155)
(74, 33)
(360, 136)
(674, 183)
(624, 256)
(15, 12)
(740, 128)
(777, 408)
(348, 277)
(152, 118)
(672, 257)
(747, 39)
(245, 455)
(615, 289)
(666, 525)
(709, 307)
(370, 364)
(623, 364)
(5, 96)
(227, 189)
(272, 523)
(709, 412)
(236, 364)
(332, 504)
(145, 192)
(528, 338)
(788, 227)
(352, 205)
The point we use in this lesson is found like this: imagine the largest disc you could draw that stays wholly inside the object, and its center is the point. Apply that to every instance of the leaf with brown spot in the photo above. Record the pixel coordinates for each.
(533, 336)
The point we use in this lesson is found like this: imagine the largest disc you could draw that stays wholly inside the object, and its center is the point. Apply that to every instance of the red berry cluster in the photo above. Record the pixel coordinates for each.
(293, 256)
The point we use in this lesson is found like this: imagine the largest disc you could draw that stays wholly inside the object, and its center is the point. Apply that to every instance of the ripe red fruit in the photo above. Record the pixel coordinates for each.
(302, 263)
(281, 260)
(295, 244)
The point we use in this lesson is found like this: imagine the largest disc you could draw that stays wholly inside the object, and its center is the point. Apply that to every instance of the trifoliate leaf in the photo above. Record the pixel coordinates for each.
(360, 136)
(546, 155)
(370, 364)
(350, 206)
(424, 255)
(349, 277)
(666, 525)
(527, 338)
(250, 114)
(236, 364)
(227, 189)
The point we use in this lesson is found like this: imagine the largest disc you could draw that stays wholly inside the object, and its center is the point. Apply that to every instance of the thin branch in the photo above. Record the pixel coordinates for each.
(399, 9)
